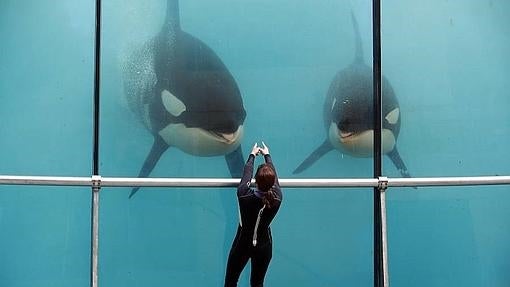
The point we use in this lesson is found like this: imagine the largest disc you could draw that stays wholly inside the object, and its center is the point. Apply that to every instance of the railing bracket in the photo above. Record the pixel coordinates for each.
(382, 184)
(96, 183)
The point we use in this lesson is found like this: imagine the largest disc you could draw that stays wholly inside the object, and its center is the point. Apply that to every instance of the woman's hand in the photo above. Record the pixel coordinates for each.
(264, 149)
(255, 150)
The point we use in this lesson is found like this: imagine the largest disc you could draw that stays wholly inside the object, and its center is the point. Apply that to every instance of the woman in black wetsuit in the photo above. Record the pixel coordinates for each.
(257, 208)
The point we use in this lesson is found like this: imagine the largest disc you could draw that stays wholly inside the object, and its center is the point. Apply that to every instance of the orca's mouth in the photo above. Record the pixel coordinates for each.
(224, 137)
(200, 141)
(345, 135)
(359, 143)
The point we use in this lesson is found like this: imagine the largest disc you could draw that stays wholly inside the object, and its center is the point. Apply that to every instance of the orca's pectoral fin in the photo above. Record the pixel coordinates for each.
(399, 163)
(323, 149)
(235, 162)
(158, 148)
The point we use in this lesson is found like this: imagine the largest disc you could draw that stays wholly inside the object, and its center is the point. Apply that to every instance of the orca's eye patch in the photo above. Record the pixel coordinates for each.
(393, 116)
(172, 104)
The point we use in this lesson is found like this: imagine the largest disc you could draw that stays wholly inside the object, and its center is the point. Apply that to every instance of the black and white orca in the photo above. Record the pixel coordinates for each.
(185, 96)
(348, 114)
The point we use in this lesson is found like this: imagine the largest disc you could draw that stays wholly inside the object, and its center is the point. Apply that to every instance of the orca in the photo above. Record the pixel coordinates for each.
(348, 114)
(183, 93)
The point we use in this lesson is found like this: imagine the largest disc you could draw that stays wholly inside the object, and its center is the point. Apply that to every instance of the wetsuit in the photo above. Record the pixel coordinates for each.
(253, 238)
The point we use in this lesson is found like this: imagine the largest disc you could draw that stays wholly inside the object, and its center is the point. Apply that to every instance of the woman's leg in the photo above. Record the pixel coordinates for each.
(259, 264)
(237, 260)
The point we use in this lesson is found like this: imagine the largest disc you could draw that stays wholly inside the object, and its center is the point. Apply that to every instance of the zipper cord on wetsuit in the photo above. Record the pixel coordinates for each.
(239, 213)
(257, 225)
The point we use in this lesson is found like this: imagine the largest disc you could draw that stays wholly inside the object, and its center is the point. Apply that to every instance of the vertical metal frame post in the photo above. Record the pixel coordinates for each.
(379, 279)
(96, 179)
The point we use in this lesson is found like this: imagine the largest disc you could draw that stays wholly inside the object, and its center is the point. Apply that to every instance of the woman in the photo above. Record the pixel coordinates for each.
(257, 208)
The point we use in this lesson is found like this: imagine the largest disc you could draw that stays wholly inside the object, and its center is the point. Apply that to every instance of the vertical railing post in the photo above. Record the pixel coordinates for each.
(96, 187)
(377, 104)
(383, 185)
(96, 179)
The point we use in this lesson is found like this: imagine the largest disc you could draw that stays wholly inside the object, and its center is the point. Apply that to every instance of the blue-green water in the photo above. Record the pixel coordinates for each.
(446, 60)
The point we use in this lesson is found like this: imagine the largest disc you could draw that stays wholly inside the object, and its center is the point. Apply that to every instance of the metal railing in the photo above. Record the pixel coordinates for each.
(232, 182)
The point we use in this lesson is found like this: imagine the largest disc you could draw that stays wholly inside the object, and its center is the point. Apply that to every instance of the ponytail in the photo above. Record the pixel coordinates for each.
(265, 178)
(269, 198)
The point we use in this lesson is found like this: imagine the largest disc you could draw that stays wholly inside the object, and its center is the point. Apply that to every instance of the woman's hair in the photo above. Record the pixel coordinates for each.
(265, 177)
